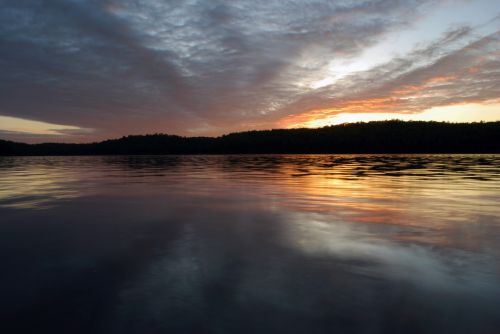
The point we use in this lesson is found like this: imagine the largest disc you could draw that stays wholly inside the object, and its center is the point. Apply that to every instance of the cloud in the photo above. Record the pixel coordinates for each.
(428, 77)
(26, 130)
(207, 67)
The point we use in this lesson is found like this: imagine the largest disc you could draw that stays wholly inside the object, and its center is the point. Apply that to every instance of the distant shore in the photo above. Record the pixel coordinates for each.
(373, 137)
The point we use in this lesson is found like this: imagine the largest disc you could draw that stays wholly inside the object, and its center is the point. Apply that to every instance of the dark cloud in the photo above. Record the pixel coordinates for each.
(205, 67)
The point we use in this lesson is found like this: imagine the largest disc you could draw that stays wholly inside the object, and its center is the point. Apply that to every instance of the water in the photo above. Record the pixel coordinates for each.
(250, 244)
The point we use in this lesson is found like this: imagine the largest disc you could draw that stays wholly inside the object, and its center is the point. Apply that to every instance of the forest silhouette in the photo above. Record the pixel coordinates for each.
(374, 137)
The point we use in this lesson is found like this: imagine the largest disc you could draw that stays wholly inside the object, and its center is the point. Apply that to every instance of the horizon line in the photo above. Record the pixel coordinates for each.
(255, 130)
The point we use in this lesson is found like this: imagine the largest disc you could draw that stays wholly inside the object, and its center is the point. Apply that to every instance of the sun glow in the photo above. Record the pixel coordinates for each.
(469, 112)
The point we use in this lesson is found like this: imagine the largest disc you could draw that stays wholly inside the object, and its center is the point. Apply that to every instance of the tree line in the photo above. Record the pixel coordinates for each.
(374, 137)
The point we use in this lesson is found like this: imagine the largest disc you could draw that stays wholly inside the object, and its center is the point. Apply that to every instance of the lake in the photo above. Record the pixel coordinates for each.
(250, 244)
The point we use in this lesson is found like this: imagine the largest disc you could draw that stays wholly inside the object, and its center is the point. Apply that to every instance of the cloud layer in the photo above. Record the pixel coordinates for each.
(208, 67)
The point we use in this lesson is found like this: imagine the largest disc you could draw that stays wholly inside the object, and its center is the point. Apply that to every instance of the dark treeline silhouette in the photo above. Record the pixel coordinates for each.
(373, 137)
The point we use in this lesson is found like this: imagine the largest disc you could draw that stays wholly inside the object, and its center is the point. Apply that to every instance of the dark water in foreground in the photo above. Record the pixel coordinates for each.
(250, 244)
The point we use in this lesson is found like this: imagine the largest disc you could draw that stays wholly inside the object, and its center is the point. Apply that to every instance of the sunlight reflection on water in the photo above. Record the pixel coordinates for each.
(306, 243)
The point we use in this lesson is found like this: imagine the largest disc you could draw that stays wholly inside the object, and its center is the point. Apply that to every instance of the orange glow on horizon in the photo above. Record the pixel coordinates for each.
(467, 112)
(393, 105)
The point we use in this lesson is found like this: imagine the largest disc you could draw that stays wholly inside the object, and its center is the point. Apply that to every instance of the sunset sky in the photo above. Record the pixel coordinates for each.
(78, 71)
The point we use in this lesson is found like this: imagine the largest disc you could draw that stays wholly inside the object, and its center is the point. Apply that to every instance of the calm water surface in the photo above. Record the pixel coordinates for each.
(250, 244)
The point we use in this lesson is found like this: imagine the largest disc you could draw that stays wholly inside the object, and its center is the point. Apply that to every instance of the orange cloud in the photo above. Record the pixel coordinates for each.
(442, 79)
(395, 100)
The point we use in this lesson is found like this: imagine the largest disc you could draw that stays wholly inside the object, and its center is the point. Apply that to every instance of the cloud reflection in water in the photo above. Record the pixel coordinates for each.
(251, 243)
